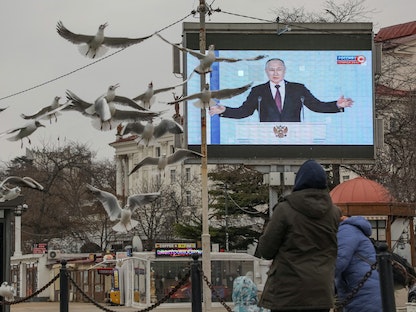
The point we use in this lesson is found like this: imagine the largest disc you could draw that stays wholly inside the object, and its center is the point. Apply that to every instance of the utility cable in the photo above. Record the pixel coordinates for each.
(85, 66)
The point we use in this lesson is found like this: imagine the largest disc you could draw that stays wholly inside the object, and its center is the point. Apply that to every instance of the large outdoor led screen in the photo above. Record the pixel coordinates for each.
(329, 65)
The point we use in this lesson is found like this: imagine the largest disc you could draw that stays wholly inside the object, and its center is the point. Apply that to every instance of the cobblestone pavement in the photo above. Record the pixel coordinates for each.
(89, 307)
(400, 298)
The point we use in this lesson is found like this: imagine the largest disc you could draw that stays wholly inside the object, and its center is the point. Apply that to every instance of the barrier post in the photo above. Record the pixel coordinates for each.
(386, 278)
(63, 283)
(196, 284)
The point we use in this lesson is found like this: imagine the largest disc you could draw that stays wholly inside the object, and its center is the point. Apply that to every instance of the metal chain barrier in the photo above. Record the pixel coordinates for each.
(410, 279)
(182, 282)
(339, 306)
(215, 293)
(32, 295)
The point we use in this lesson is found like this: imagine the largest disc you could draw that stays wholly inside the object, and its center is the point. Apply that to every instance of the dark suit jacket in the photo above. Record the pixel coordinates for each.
(296, 95)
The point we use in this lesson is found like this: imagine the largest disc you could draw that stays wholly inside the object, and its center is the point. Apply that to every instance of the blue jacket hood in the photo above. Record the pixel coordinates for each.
(360, 222)
(310, 175)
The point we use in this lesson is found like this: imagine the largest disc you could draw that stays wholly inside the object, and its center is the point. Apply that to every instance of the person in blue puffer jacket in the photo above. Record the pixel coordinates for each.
(356, 253)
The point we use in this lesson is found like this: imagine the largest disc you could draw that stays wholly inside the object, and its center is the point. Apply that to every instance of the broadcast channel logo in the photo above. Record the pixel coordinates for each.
(351, 59)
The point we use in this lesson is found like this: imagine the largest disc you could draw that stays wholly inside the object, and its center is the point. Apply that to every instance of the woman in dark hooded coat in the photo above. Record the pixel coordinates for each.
(356, 253)
(301, 238)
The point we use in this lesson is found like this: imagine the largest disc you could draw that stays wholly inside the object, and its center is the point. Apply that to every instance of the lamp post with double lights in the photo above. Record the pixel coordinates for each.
(18, 211)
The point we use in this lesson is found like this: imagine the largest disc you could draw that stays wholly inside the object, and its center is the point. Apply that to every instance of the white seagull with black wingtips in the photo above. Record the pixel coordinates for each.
(114, 210)
(10, 187)
(43, 113)
(149, 131)
(162, 161)
(206, 96)
(97, 45)
(206, 60)
(103, 111)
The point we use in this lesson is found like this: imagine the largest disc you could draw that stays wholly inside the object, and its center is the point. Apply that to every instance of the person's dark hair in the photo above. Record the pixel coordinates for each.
(275, 59)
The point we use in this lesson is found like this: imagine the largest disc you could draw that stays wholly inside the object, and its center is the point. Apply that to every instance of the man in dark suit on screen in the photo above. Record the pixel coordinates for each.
(279, 100)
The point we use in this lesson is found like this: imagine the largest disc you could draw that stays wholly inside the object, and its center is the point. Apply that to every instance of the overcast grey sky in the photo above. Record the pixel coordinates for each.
(33, 53)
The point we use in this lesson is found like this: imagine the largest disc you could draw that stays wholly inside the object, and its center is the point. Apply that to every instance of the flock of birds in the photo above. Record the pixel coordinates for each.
(103, 110)
(106, 112)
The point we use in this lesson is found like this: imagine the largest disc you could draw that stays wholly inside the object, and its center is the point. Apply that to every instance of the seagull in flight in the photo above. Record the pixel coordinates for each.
(149, 131)
(7, 192)
(147, 98)
(206, 96)
(114, 210)
(206, 60)
(104, 111)
(97, 45)
(7, 291)
(43, 113)
(23, 132)
(26, 130)
(2, 109)
(162, 161)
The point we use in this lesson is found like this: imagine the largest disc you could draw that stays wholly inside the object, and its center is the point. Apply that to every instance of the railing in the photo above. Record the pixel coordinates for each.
(66, 278)
(383, 264)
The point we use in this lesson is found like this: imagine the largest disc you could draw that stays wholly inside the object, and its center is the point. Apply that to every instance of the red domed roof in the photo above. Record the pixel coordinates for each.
(360, 190)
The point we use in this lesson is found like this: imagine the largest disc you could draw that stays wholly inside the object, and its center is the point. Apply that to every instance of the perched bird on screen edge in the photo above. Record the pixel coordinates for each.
(114, 210)
(98, 44)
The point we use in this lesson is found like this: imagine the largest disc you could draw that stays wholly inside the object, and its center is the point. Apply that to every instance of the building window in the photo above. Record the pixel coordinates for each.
(173, 176)
(345, 178)
(188, 198)
(188, 174)
(378, 230)
(172, 149)
(157, 150)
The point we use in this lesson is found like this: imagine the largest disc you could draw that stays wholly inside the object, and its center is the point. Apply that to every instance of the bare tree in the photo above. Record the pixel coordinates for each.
(157, 220)
(395, 163)
(59, 212)
(335, 12)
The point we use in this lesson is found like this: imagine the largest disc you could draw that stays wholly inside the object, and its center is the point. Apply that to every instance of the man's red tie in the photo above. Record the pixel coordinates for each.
(278, 99)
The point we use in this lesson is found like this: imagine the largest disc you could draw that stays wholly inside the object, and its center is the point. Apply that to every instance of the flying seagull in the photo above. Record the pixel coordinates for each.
(7, 291)
(10, 188)
(26, 130)
(97, 45)
(43, 113)
(206, 96)
(115, 212)
(147, 98)
(23, 132)
(2, 109)
(206, 60)
(103, 110)
(149, 131)
(162, 161)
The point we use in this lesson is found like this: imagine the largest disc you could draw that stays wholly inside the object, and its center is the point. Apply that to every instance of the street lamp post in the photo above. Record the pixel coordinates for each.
(18, 211)
(205, 237)
(227, 241)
